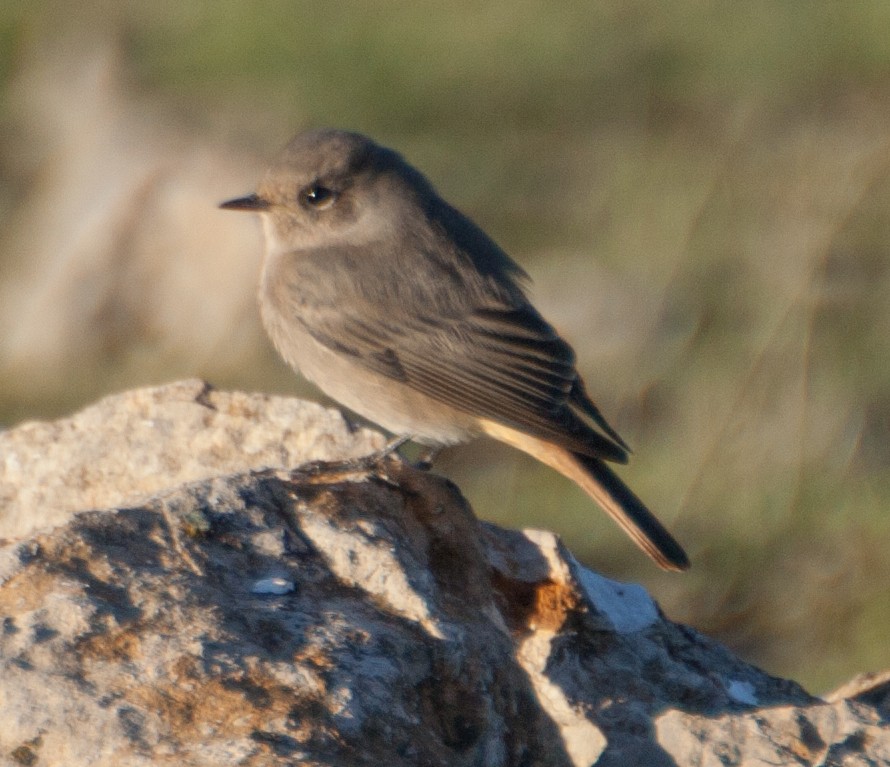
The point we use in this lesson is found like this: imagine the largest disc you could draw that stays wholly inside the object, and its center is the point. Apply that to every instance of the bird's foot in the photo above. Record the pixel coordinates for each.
(372, 463)
(425, 460)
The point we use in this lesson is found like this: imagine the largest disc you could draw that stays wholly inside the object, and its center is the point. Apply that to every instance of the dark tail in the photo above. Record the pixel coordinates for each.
(603, 485)
(629, 512)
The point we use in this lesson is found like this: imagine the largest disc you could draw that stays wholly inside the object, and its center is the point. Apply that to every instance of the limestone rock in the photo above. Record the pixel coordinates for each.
(219, 608)
(131, 446)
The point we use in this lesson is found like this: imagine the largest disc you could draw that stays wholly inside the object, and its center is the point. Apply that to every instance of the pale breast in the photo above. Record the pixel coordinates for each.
(387, 402)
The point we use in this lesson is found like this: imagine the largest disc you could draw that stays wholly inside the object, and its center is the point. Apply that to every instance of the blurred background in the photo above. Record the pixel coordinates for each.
(700, 191)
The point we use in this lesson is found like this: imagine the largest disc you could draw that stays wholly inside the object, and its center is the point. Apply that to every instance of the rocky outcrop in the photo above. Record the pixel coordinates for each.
(127, 448)
(209, 604)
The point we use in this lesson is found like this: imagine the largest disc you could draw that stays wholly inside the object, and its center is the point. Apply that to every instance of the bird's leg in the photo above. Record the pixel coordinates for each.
(388, 449)
(363, 464)
(424, 460)
(367, 462)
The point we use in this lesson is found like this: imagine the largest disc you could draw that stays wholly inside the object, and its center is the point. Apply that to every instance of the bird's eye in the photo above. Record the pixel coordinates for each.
(317, 196)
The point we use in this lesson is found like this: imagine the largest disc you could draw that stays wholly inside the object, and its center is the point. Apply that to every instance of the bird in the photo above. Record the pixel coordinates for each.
(400, 308)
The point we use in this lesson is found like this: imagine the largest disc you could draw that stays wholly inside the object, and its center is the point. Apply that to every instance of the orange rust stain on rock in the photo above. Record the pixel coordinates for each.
(553, 602)
(192, 704)
(533, 606)
(124, 645)
(314, 657)
(26, 591)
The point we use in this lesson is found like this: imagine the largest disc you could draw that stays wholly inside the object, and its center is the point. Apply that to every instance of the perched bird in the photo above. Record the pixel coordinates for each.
(400, 308)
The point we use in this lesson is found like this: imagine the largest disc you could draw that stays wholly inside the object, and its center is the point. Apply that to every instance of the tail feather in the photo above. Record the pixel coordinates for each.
(606, 488)
(628, 511)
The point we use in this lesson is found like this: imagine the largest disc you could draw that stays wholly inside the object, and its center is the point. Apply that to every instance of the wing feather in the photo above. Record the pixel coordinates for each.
(482, 349)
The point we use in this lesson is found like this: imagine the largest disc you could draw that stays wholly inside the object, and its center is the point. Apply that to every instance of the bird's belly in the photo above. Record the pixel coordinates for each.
(392, 404)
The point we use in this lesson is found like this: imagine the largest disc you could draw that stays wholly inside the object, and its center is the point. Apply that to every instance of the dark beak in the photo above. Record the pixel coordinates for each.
(251, 202)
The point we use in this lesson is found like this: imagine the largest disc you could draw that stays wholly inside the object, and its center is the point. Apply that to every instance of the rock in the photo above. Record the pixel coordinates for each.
(128, 447)
(211, 604)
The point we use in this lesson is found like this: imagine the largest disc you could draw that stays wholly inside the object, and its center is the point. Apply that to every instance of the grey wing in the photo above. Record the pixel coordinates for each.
(496, 359)
(510, 366)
